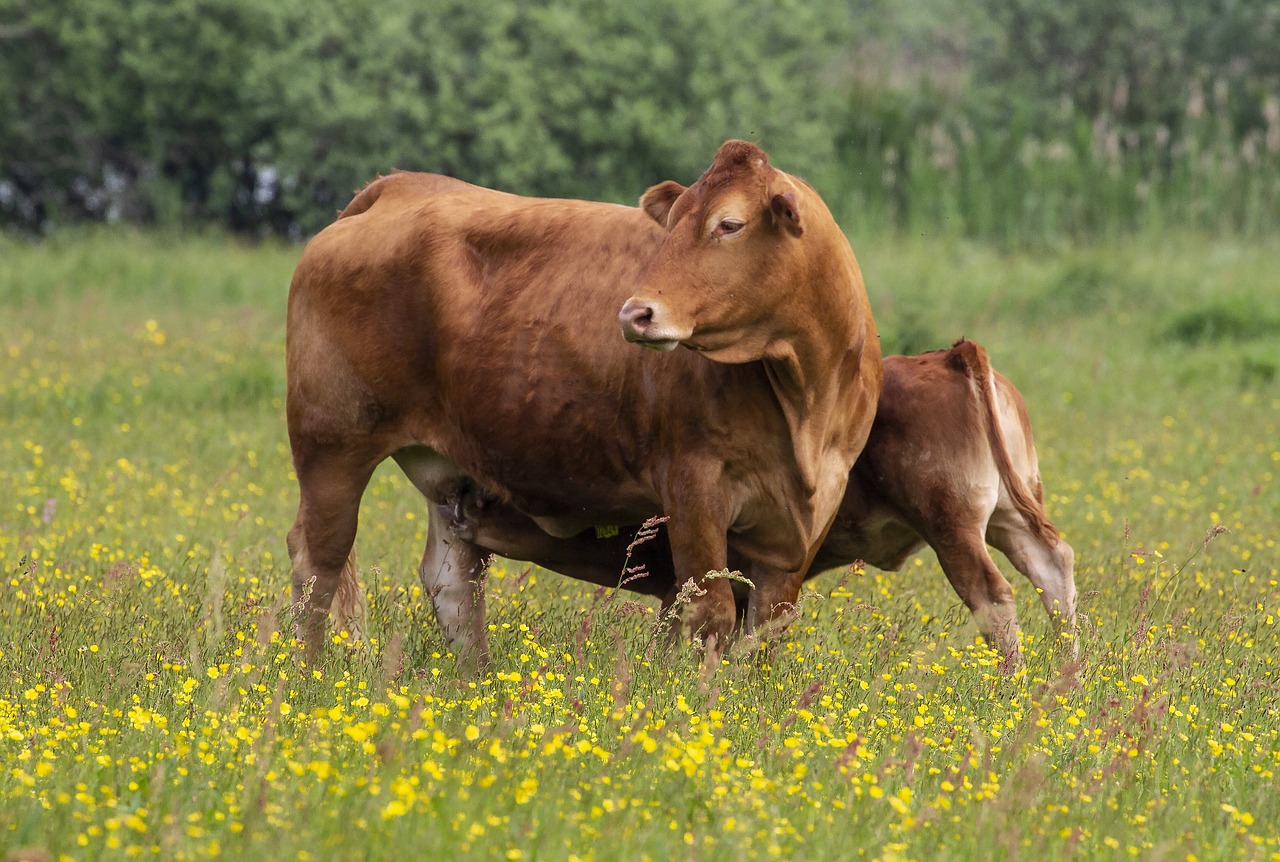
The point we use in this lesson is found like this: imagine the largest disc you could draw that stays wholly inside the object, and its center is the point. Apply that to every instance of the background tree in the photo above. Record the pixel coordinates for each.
(1015, 119)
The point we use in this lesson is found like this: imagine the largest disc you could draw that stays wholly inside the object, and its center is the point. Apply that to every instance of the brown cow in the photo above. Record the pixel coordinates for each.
(472, 336)
(950, 461)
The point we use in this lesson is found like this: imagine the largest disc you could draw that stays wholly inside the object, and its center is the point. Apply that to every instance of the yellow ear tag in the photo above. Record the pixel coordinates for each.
(606, 532)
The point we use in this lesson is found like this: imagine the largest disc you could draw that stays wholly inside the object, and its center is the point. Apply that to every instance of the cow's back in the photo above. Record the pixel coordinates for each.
(928, 464)
(401, 184)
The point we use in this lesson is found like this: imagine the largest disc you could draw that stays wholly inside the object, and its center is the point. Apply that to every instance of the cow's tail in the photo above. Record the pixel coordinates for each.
(366, 197)
(348, 609)
(972, 360)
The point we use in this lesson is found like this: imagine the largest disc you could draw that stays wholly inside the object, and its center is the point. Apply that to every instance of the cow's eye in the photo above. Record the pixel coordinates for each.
(728, 226)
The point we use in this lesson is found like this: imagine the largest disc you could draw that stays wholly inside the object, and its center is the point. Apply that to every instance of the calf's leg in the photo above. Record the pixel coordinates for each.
(976, 579)
(453, 574)
(1048, 568)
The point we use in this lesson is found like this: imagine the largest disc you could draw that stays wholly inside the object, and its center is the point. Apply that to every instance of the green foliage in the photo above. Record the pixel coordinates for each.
(1223, 322)
(117, 106)
(1122, 323)
(1138, 64)
(1019, 120)
(211, 97)
(1127, 115)
(581, 98)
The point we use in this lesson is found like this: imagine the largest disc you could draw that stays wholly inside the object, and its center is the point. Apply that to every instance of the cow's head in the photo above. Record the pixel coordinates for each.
(738, 247)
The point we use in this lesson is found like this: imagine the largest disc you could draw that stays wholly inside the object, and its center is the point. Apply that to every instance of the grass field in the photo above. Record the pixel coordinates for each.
(153, 704)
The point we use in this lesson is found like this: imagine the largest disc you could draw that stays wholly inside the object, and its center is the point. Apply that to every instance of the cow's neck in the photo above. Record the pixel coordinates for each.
(814, 373)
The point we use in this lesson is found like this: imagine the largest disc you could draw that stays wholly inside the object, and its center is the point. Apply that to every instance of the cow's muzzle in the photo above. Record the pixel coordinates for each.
(642, 323)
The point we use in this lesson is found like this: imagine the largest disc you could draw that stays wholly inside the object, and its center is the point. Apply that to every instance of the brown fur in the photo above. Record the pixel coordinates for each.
(473, 336)
(942, 449)
(734, 159)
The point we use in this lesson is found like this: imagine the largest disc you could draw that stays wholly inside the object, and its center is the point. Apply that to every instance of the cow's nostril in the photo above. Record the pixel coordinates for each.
(636, 316)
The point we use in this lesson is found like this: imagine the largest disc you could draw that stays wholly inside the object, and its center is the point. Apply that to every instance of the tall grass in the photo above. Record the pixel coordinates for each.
(917, 161)
(153, 702)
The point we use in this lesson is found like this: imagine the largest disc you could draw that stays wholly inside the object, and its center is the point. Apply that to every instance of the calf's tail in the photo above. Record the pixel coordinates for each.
(971, 359)
(348, 608)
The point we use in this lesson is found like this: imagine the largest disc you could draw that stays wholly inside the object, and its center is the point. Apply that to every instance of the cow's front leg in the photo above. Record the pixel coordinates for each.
(774, 600)
(705, 605)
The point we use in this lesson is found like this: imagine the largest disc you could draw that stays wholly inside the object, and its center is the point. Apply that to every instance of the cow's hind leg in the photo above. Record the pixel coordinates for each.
(330, 486)
(980, 585)
(453, 572)
(1050, 569)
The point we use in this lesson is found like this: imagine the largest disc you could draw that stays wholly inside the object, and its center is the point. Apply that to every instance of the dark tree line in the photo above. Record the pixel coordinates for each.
(264, 117)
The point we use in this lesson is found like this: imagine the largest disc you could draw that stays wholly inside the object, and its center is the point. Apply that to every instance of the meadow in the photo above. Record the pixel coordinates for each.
(154, 704)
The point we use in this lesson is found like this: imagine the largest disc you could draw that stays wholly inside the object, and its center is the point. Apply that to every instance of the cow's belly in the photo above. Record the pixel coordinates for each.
(438, 477)
(563, 490)
(563, 508)
(560, 506)
(879, 537)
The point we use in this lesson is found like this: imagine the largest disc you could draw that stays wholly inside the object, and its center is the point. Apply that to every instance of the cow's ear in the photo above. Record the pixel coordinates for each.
(786, 212)
(658, 200)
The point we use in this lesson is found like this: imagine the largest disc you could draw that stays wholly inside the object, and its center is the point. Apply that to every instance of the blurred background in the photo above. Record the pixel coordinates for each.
(1010, 120)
